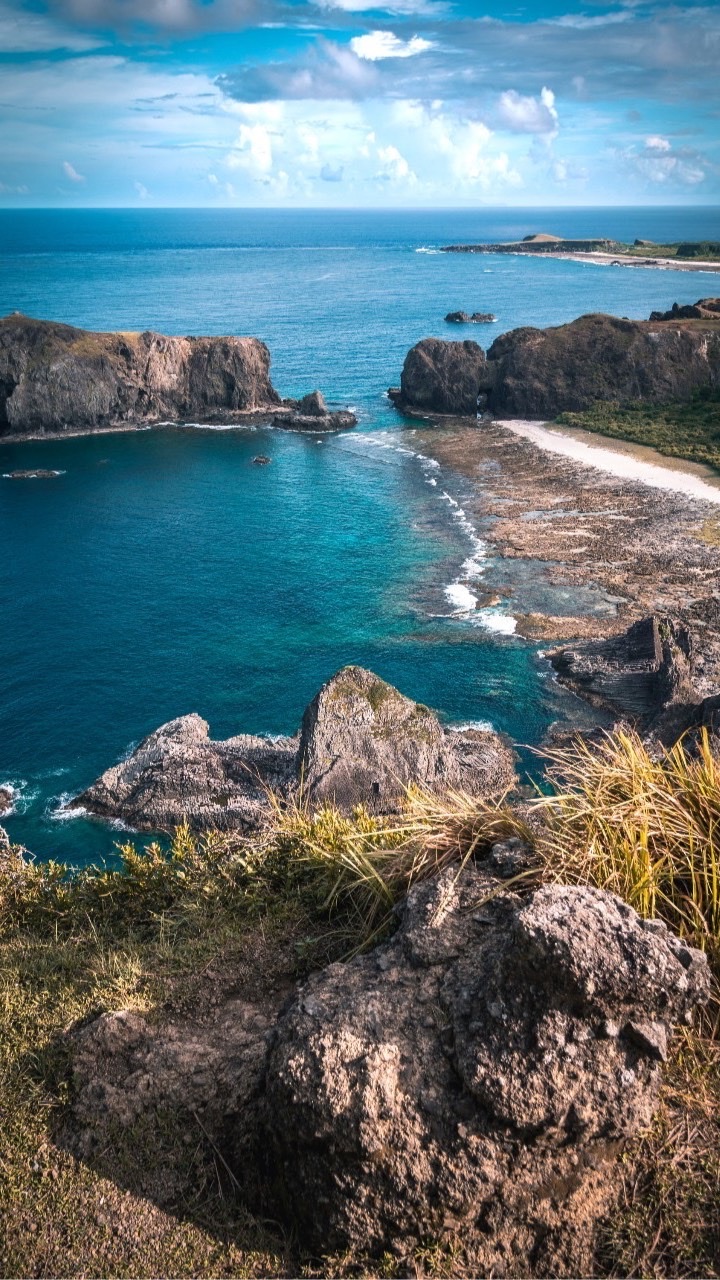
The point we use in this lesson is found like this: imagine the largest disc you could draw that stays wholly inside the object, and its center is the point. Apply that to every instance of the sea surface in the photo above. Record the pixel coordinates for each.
(162, 572)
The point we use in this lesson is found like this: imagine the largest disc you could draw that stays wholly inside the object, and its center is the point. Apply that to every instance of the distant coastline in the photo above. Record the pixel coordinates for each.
(687, 256)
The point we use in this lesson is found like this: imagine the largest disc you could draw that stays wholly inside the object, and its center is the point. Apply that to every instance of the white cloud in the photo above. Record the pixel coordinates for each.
(71, 172)
(521, 114)
(25, 32)
(395, 167)
(385, 44)
(656, 143)
(141, 190)
(427, 8)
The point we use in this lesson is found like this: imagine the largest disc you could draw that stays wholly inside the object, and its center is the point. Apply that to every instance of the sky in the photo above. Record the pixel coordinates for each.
(358, 103)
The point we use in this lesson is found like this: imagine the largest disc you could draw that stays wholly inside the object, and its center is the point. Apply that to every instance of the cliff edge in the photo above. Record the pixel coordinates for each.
(539, 373)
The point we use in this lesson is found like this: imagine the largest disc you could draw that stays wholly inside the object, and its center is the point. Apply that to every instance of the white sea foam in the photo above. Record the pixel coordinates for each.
(57, 808)
(502, 624)
(424, 249)
(22, 795)
(482, 726)
(217, 426)
(430, 480)
(461, 597)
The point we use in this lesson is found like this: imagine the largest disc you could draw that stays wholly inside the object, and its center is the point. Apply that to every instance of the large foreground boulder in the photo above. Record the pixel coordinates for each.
(362, 742)
(539, 373)
(474, 1076)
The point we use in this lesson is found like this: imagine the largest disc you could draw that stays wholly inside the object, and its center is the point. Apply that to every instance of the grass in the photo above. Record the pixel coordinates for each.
(702, 250)
(690, 430)
(171, 931)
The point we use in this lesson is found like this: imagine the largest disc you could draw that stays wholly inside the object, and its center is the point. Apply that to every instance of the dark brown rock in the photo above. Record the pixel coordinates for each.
(55, 378)
(645, 673)
(443, 377)
(475, 1076)
(539, 373)
(463, 317)
(7, 799)
(703, 309)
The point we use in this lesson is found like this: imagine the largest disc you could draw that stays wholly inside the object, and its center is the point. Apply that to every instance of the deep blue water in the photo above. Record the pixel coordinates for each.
(164, 573)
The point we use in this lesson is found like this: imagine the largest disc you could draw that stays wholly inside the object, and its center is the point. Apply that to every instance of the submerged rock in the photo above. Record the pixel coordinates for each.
(37, 474)
(539, 373)
(474, 1076)
(362, 742)
(262, 460)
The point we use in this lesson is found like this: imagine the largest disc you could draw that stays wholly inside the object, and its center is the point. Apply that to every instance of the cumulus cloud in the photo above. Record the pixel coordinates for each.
(141, 191)
(658, 163)
(72, 173)
(330, 174)
(23, 32)
(522, 114)
(394, 166)
(426, 8)
(385, 44)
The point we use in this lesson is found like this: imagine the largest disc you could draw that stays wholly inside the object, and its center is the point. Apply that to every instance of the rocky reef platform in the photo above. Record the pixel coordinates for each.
(57, 380)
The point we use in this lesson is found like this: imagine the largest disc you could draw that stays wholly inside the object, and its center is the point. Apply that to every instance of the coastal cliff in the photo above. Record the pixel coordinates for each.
(56, 379)
(539, 373)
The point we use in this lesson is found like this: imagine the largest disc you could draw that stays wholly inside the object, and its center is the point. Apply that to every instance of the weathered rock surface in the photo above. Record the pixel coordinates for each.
(179, 773)
(55, 378)
(7, 799)
(37, 474)
(474, 1075)
(362, 742)
(645, 673)
(539, 373)
(443, 377)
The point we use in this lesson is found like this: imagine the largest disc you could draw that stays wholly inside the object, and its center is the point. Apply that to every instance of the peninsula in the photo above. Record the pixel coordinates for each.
(56, 380)
(702, 255)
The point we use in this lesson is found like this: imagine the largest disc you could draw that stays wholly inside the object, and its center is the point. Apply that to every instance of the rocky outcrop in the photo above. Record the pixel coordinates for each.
(539, 373)
(7, 799)
(442, 377)
(703, 309)
(540, 243)
(473, 1078)
(475, 1075)
(56, 379)
(179, 773)
(362, 742)
(463, 317)
(37, 474)
(312, 414)
(645, 673)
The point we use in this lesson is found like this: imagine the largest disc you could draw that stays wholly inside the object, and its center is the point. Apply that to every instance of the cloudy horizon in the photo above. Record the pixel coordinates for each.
(356, 103)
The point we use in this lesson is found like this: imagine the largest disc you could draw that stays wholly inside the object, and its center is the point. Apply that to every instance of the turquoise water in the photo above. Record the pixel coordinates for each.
(164, 573)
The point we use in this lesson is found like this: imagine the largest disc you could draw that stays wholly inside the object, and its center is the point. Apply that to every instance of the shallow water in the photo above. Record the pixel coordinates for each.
(163, 573)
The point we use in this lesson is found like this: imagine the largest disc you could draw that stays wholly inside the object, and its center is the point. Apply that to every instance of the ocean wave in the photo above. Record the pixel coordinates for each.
(57, 811)
(502, 624)
(23, 794)
(424, 249)
(461, 597)
(482, 726)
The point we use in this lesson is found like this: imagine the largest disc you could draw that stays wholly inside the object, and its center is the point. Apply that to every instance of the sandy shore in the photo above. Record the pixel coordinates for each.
(583, 539)
(629, 260)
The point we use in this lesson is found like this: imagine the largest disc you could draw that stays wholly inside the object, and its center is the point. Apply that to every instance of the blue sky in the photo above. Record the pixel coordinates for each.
(359, 103)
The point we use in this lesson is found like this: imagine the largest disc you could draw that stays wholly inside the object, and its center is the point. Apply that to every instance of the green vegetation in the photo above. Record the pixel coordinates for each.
(702, 250)
(690, 430)
(173, 932)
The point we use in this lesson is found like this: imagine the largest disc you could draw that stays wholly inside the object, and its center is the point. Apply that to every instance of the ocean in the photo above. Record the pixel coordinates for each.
(164, 573)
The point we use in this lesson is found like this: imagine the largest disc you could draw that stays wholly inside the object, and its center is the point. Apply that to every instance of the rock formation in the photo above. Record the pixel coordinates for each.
(539, 373)
(362, 742)
(463, 317)
(475, 1075)
(56, 379)
(472, 1078)
(703, 309)
(37, 474)
(7, 799)
(312, 414)
(179, 773)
